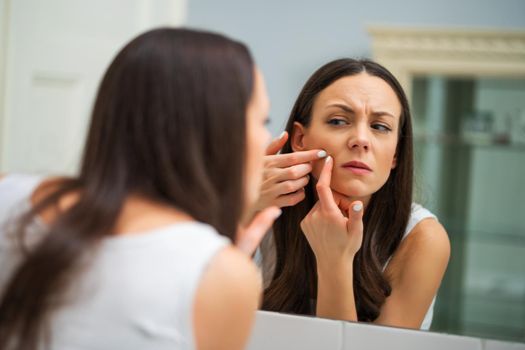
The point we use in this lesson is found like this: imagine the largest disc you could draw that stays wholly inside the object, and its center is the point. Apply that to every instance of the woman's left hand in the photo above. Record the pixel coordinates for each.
(334, 226)
(334, 230)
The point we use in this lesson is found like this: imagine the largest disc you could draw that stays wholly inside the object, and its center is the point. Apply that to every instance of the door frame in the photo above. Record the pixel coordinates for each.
(4, 26)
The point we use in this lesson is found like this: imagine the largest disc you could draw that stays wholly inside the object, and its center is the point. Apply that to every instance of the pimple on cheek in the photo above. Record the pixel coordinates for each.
(318, 143)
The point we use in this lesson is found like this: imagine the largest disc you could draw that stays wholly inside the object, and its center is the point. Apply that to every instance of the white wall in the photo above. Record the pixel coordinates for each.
(291, 38)
(56, 52)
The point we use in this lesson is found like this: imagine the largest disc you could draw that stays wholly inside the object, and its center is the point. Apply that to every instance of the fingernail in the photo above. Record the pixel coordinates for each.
(282, 135)
(357, 207)
(328, 159)
(278, 213)
(321, 154)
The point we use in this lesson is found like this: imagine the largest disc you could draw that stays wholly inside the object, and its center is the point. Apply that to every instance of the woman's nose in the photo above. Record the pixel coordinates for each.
(360, 138)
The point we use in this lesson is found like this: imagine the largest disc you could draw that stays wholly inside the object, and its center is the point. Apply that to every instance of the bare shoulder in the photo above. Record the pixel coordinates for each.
(429, 237)
(226, 301)
(46, 187)
(232, 266)
(427, 245)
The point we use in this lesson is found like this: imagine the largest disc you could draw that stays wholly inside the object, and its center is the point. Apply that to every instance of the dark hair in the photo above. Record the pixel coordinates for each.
(294, 283)
(169, 114)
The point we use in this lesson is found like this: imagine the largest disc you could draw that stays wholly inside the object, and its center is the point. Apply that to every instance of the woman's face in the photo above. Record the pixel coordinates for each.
(258, 138)
(356, 120)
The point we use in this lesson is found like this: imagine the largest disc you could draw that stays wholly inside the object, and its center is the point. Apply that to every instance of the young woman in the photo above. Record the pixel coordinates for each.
(135, 252)
(357, 247)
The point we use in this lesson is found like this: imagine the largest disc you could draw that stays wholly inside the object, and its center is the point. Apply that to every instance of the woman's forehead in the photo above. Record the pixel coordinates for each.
(359, 90)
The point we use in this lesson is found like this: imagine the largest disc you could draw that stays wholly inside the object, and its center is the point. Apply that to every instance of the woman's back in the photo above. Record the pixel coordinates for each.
(139, 290)
(176, 135)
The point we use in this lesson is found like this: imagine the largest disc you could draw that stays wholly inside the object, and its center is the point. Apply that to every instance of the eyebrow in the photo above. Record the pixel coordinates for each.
(351, 111)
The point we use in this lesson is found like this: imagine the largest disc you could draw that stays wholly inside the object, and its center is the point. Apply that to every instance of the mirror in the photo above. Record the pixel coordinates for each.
(467, 90)
(470, 163)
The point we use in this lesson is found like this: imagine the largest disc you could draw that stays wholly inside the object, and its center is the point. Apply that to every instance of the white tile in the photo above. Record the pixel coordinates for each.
(499, 345)
(277, 331)
(371, 337)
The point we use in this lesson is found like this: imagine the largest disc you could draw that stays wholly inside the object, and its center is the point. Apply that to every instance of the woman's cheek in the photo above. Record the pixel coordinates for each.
(317, 166)
(320, 142)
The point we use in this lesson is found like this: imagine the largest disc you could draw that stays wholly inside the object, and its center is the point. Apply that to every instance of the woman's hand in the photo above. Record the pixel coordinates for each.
(285, 175)
(334, 226)
(250, 235)
(334, 230)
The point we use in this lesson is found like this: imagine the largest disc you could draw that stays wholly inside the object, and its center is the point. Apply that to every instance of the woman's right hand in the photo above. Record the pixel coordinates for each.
(334, 226)
(285, 175)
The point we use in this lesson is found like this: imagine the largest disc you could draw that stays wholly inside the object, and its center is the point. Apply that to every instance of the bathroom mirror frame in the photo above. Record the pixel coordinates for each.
(452, 52)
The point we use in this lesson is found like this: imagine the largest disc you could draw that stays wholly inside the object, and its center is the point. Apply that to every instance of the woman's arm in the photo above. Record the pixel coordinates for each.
(334, 239)
(335, 293)
(415, 273)
(226, 301)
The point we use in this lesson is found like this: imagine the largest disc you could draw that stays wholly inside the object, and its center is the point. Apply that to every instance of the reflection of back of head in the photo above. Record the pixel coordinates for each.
(154, 132)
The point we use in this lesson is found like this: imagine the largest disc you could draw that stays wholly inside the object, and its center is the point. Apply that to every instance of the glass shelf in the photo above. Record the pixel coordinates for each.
(457, 140)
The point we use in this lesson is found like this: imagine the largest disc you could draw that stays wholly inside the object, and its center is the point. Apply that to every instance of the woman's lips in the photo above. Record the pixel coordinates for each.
(358, 168)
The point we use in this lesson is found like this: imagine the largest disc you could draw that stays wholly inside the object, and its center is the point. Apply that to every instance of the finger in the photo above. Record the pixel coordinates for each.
(249, 238)
(326, 198)
(294, 158)
(277, 143)
(291, 173)
(291, 186)
(342, 201)
(291, 199)
(355, 217)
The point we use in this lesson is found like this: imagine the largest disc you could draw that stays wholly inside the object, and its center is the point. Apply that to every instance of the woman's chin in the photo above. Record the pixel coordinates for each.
(352, 191)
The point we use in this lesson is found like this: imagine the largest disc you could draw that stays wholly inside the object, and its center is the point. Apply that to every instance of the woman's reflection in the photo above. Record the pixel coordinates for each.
(357, 247)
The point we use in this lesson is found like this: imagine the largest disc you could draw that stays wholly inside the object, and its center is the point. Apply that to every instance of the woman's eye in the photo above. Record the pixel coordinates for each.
(337, 121)
(381, 127)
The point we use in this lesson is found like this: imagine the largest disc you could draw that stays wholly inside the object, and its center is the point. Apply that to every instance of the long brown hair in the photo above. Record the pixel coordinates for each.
(294, 283)
(169, 115)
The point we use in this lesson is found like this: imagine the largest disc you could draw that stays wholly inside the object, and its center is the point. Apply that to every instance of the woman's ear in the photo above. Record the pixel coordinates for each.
(297, 139)
(394, 162)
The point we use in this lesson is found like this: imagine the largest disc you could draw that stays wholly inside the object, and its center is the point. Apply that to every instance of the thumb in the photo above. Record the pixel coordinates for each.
(249, 237)
(355, 218)
(276, 144)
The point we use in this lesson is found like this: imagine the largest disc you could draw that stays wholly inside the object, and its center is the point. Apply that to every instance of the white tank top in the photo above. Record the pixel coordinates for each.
(138, 291)
(267, 264)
